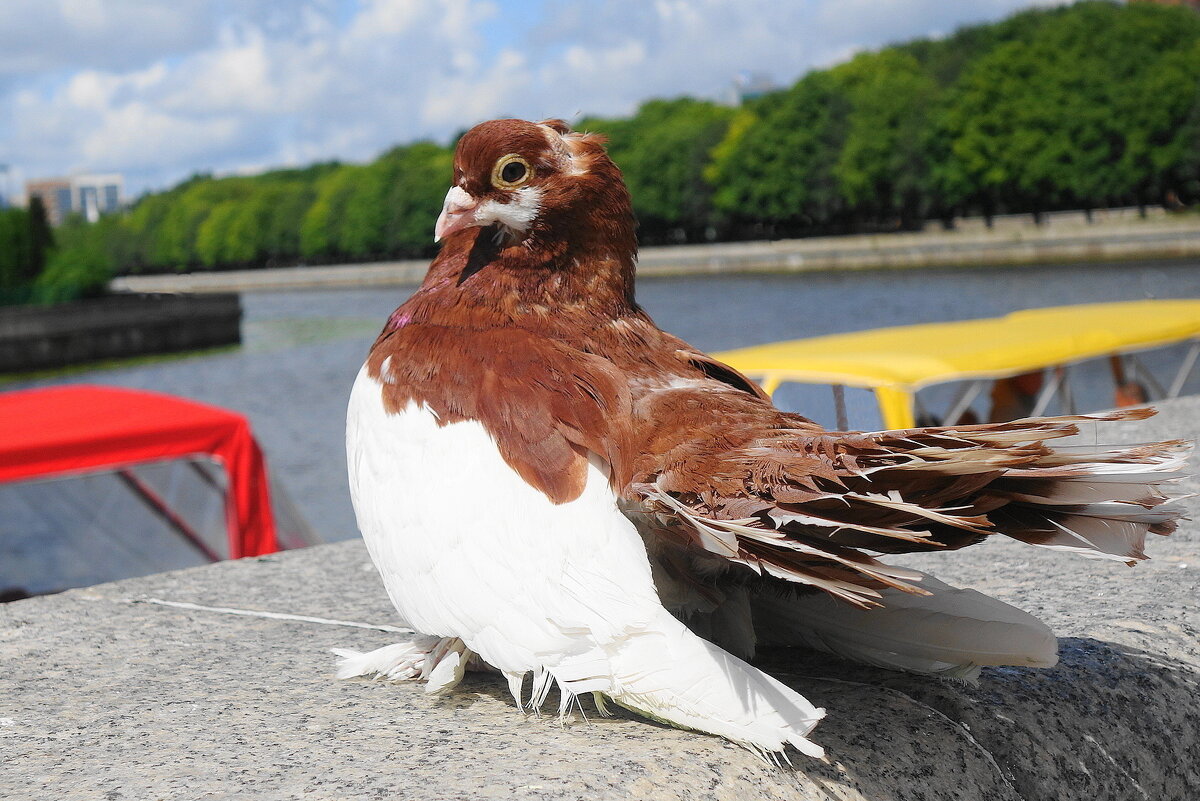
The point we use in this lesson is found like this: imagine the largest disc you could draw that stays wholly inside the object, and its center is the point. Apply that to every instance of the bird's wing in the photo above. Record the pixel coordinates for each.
(721, 471)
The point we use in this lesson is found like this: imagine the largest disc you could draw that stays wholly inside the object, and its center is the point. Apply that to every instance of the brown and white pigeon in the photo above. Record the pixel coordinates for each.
(549, 483)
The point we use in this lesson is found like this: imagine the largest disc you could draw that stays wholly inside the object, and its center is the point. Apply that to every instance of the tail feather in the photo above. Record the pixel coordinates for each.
(1066, 493)
(809, 507)
(1090, 537)
(670, 675)
(950, 632)
(1094, 501)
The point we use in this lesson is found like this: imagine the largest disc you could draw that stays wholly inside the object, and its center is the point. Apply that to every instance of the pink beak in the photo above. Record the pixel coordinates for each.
(458, 212)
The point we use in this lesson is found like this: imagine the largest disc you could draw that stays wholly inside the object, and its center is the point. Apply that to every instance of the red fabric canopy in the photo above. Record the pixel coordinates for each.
(73, 429)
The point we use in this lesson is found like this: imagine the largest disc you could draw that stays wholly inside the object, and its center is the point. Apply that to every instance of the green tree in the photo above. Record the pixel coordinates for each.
(278, 211)
(213, 236)
(1075, 114)
(945, 59)
(419, 175)
(321, 230)
(41, 239)
(175, 239)
(883, 165)
(662, 152)
(362, 232)
(1161, 138)
(780, 169)
(81, 265)
(16, 251)
(141, 224)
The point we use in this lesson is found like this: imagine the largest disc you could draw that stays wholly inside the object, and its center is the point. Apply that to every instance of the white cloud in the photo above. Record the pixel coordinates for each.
(159, 90)
(40, 35)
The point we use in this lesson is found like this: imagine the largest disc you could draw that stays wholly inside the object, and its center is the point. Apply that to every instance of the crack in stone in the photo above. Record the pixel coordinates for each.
(225, 610)
(1117, 765)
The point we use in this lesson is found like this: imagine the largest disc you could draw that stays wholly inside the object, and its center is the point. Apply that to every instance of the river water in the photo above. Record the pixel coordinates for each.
(302, 349)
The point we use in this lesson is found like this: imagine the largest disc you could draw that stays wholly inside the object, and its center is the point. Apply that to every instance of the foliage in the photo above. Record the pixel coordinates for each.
(26, 242)
(662, 151)
(82, 263)
(1091, 104)
(16, 250)
(419, 175)
(882, 167)
(1090, 109)
(41, 240)
(781, 170)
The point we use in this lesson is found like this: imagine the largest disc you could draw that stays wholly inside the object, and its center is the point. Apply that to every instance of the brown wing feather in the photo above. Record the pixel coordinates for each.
(778, 494)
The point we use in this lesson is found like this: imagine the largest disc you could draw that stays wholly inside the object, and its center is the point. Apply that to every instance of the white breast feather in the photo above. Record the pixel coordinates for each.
(467, 548)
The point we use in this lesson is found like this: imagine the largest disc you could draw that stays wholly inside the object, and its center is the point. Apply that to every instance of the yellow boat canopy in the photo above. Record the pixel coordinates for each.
(896, 362)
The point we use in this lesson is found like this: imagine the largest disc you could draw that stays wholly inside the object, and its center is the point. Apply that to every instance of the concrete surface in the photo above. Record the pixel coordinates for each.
(104, 695)
(1015, 241)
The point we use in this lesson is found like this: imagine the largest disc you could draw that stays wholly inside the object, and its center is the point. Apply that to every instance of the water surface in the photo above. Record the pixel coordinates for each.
(302, 349)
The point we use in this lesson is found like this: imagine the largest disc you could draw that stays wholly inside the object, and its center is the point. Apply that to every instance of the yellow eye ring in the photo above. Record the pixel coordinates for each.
(510, 172)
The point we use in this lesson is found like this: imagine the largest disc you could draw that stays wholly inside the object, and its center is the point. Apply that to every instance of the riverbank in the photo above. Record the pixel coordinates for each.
(119, 326)
(1066, 238)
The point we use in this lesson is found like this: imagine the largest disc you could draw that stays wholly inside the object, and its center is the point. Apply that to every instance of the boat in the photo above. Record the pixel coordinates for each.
(1024, 364)
(101, 483)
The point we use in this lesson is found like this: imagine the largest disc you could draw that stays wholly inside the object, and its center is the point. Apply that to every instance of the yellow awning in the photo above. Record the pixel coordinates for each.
(903, 359)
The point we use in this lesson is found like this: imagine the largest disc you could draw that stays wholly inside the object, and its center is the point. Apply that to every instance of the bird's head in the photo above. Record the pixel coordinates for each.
(535, 180)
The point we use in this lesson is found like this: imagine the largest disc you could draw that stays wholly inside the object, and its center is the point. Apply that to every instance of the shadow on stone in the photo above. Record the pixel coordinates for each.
(1109, 722)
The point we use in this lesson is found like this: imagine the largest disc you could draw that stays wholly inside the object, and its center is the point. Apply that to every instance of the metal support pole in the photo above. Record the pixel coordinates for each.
(1185, 369)
(1145, 375)
(160, 507)
(1067, 394)
(965, 396)
(839, 404)
(1047, 395)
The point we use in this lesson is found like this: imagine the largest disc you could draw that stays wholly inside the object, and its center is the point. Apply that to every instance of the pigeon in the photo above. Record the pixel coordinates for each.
(553, 488)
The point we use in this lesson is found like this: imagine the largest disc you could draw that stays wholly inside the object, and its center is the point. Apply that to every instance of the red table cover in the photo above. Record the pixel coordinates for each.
(73, 429)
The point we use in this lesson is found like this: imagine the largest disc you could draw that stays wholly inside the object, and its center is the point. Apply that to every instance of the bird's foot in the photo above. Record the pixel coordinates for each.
(601, 707)
(440, 660)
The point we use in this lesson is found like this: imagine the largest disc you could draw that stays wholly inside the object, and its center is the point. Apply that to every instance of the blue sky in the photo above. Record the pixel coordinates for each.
(159, 89)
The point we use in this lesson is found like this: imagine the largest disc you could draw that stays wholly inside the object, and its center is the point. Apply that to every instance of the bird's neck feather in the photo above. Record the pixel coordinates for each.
(576, 260)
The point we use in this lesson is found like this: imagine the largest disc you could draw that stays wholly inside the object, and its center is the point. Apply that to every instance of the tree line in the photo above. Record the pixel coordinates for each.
(1085, 106)
(40, 265)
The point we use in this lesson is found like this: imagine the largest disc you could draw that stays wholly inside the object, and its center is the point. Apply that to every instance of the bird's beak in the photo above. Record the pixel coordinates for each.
(458, 212)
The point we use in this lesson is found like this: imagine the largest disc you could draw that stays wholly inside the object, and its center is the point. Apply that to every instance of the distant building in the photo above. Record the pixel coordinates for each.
(55, 194)
(751, 85)
(86, 195)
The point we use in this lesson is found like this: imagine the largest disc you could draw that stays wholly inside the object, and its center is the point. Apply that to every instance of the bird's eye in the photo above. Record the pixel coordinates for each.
(510, 172)
(513, 171)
